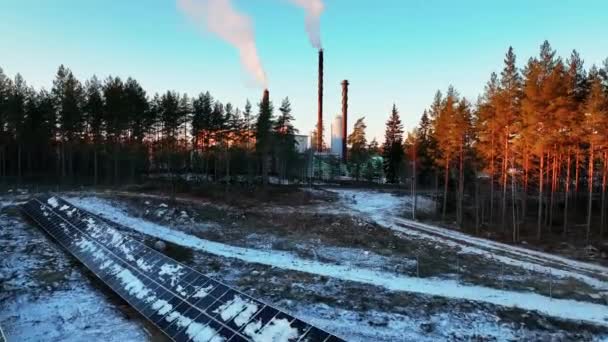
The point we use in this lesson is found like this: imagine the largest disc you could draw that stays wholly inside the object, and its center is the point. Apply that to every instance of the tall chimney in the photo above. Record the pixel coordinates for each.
(266, 96)
(344, 118)
(320, 113)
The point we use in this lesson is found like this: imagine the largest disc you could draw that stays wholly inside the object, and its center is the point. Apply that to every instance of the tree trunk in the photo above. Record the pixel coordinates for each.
(567, 193)
(503, 210)
(603, 206)
(524, 209)
(445, 190)
(540, 196)
(590, 184)
(553, 188)
(95, 172)
(477, 218)
(414, 181)
(576, 174)
(116, 163)
(436, 194)
(492, 180)
(460, 186)
(19, 163)
(63, 171)
(514, 218)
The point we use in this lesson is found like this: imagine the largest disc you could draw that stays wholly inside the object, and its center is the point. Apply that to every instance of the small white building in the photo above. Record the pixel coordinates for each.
(336, 136)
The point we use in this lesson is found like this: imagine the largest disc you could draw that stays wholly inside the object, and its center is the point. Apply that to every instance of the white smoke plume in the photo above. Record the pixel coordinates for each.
(222, 19)
(314, 9)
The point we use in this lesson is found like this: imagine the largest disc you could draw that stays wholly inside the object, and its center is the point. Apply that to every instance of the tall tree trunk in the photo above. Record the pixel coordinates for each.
(19, 163)
(540, 196)
(503, 210)
(95, 166)
(492, 172)
(590, 185)
(603, 205)
(414, 183)
(514, 216)
(445, 190)
(477, 204)
(576, 173)
(567, 192)
(460, 186)
(553, 189)
(63, 162)
(436, 194)
(116, 180)
(227, 153)
(524, 209)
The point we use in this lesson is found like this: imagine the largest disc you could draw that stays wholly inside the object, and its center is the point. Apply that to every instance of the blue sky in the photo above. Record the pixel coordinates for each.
(398, 51)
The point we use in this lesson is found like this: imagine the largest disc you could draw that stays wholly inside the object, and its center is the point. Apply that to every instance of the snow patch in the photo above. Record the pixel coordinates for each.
(277, 330)
(53, 202)
(233, 307)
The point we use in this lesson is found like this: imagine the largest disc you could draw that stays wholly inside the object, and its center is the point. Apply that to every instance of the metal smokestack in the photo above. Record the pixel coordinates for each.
(266, 96)
(344, 118)
(319, 141)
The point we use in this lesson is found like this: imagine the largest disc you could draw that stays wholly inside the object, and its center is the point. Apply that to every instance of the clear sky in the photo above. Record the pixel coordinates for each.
(398, 51)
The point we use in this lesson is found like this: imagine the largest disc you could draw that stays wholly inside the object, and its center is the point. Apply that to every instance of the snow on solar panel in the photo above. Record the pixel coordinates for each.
(183, 303)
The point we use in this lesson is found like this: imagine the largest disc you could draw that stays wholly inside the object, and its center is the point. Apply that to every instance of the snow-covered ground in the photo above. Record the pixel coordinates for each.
(44, 296)
(354, 292)
(386, 209)
(560, 308)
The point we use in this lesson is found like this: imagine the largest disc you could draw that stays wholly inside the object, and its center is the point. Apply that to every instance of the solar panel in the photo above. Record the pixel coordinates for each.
(182, 302)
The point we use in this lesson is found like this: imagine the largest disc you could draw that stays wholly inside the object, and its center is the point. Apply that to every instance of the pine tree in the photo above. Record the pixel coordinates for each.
(447, 145)
(5, 90)
(114, 114)
(69, 97)
(93, 109)
(595, 123)
(374, 148)
(263, 134)
(576, 92)
(285, 140)
(508, 110)
(462, 139)
(358, 148)
(136, 102)
(426, 144)
(15, 118)
(487, 128)
(392, 149)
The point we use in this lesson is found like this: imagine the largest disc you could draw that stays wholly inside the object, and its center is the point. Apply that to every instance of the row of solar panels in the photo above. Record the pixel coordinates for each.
(185, 304)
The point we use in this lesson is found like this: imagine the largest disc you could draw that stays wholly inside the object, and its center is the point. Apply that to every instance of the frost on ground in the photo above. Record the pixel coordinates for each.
(359, 289)
(45, 296)
(446, 288)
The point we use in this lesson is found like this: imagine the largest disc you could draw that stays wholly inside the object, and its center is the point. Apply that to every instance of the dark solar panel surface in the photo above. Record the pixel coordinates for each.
(185, 304)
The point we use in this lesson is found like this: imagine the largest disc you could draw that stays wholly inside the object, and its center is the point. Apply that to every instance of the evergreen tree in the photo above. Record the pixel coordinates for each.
(392, 149)
(15, 119)
(596, 134)
(508, 108)
(114, 114)
(285, 140)
(358, 153)
(137, 106)
(263, 134)
(374, 148)
(426, 144)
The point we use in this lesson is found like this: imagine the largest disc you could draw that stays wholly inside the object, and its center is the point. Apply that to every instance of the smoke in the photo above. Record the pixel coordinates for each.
(222, 19)
(314, 9)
